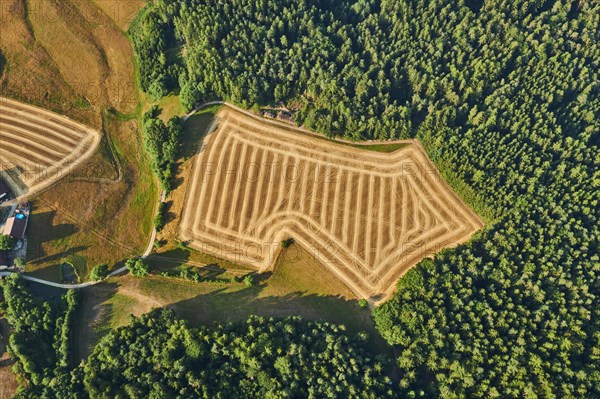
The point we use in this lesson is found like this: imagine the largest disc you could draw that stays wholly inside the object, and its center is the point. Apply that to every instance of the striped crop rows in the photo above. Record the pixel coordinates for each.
(366, 216)
(38, 147)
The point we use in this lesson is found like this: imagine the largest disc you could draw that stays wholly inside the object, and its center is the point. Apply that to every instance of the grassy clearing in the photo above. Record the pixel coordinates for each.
(9, 385)
(170, 106)
(299, 285)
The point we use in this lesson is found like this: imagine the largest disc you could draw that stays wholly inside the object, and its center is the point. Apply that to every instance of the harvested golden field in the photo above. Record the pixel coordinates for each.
(366, 216)
(39, 147)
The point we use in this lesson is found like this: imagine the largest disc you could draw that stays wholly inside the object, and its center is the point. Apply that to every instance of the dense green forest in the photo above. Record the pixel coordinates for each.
(505, 97)
(159, 356)
(41, 340)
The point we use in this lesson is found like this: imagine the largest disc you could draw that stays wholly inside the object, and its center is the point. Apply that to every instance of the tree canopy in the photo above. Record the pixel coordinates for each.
(160, 356)
(505, 98)
(138, 267)
(6, 242)
(162, 143)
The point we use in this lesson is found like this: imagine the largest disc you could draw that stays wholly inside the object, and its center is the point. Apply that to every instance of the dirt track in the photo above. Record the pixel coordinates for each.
(365, 215)
(39, 147)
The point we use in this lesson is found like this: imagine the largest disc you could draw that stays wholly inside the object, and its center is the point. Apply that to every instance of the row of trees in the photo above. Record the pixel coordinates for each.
(505, 97)
(162, 143)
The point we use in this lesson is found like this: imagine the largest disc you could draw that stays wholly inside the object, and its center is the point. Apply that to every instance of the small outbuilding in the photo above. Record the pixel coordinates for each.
(15, 226)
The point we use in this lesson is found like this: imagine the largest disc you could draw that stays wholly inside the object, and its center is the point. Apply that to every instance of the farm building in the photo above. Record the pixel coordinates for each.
(15, 226)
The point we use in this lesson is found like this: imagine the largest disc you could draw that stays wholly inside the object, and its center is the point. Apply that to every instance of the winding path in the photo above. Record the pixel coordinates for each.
(88, 283)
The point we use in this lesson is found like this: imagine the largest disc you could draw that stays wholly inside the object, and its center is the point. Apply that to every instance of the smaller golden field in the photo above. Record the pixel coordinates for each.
(39, 147)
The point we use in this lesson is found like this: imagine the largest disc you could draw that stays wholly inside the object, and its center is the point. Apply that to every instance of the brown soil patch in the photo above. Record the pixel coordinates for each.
(9, 385)
(8, 381)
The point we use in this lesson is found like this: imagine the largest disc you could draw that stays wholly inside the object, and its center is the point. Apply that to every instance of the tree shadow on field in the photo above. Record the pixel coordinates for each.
(38, 256)
(169, 259)
(45, 292)
(12, 175)
(41, 228)
(211, 271)
(263, 277)
(225, 305)
(168, 215)
(177, 180)
(2, 62)
(195, 130)
(191, 147)
(248, 301)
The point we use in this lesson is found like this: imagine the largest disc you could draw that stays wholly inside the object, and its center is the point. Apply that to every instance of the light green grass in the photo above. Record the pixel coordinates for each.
(299, 285)
(170, 106)
(121, 306)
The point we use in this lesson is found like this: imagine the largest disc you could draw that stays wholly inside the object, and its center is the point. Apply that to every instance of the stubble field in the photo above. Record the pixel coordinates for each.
(366, 216)
(39, 147)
